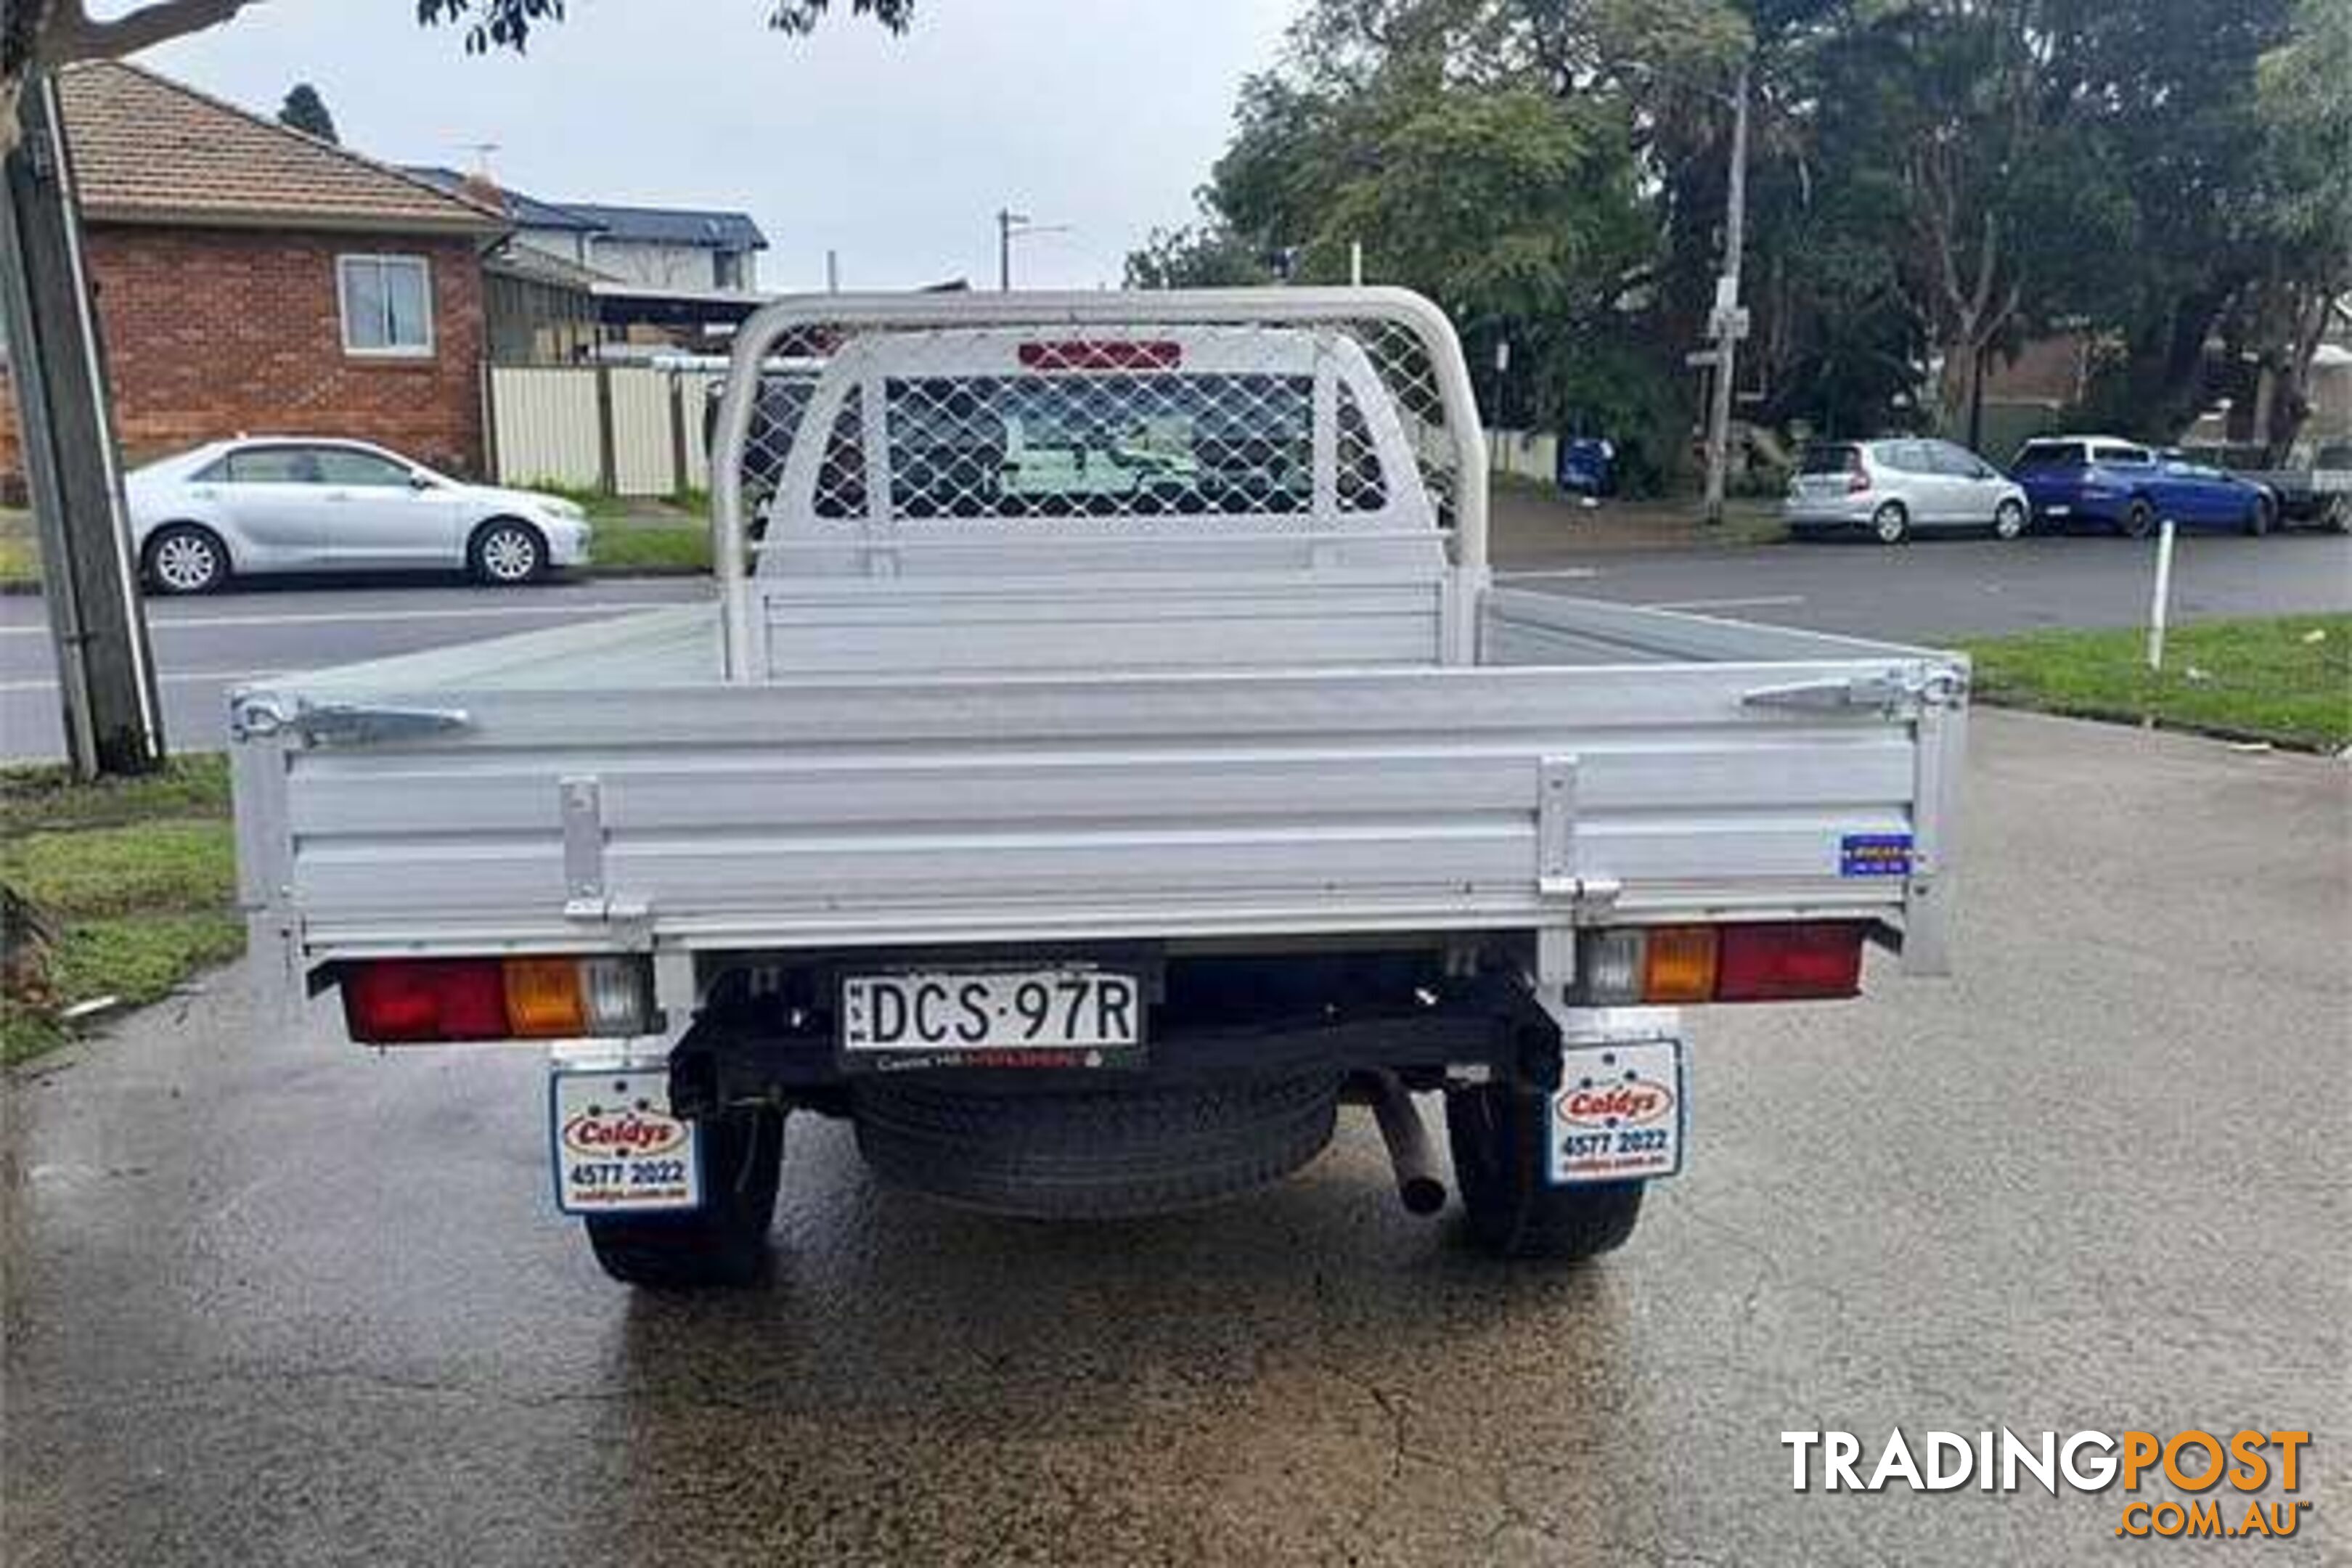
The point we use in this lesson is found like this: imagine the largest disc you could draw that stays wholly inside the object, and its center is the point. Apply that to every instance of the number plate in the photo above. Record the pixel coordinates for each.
(1621, 1113)
(1067, 1018)
(617, 1148)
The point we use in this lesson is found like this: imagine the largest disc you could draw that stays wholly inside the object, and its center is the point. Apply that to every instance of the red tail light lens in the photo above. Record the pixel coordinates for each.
(1796, 961)
(400, 1000)
(1792, 962)
(1857, 483)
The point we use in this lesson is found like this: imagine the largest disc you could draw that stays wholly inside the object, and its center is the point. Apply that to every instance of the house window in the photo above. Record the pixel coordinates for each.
(387, 305)
(727, 269)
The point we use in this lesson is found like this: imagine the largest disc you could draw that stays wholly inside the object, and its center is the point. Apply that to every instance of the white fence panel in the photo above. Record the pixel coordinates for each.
(544, 426)
(645, 449)
(697, 392)
(1530, 455)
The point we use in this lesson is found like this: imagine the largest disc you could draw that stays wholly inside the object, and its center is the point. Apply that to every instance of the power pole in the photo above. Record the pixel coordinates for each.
(1728, 322)
(1010, 227)
(1006, 220)
(106, 675)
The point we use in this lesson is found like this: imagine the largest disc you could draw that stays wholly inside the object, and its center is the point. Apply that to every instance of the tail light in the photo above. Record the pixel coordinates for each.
(1857, 482)
(399, 1001)
(1790, 961)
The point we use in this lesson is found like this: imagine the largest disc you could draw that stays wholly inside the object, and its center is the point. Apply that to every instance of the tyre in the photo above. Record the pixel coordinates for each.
(1497, 1136)
(2339, 514)
(2259, 517)
(184, 558)
(1890, 524)
(723, 1243)
(1092, 1153)
(2009, 519)
(2139, 521)
(506, 553)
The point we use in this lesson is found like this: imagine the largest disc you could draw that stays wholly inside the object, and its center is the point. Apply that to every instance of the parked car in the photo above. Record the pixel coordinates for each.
(2314, 486)
(1085, 849)
(2131, 487)
(274, 503)
(1897, 486)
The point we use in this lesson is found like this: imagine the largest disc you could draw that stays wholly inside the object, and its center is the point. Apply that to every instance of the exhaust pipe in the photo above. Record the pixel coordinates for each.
(1419, 1184)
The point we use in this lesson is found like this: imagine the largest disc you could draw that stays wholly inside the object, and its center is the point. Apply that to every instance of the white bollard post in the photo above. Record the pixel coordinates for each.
(2160, 609)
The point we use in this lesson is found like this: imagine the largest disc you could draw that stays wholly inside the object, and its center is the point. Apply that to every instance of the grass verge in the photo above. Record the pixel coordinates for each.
(135, 881)
(20, 561)
(2287, 679)
(623, 547)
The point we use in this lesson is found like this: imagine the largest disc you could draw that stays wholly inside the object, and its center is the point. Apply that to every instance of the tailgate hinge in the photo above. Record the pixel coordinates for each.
(339, 723)
(1556, 827)
(586, 896)
(1902, 691)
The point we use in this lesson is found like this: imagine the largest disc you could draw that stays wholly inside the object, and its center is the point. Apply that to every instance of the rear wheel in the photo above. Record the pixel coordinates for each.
(1497, 1136)
(725, 1242)
(2009, 519)
(507, 552)
(2339, 514)
(182, 558)
(2259, 517)
(1890, 524)
(2139, 521)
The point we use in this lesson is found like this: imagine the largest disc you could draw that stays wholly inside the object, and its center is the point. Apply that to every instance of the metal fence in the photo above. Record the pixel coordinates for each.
(630, 430)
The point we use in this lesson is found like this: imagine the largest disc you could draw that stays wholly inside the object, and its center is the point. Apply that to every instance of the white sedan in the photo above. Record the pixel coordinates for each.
(306, 504)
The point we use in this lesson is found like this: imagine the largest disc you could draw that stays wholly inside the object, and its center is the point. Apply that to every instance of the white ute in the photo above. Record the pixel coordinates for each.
(1105, 754)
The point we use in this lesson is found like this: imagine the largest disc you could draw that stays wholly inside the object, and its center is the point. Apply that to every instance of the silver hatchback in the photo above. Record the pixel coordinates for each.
(1894, 488)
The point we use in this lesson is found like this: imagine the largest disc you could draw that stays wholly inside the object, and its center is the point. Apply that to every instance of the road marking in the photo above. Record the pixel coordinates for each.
(332, 617)
(1761, 602)
(188, 677)
(1571, 571)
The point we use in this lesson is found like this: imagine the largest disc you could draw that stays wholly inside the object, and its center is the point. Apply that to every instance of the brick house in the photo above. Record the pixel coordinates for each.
(250, 277)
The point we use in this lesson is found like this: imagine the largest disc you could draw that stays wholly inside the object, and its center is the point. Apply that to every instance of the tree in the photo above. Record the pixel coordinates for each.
(1431, 134)
(1204, 254)
(305, 112)
(39, 34)
(2304, 211)
(2168, 88)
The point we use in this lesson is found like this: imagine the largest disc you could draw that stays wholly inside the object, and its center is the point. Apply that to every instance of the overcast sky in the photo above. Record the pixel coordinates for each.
(1100, 114)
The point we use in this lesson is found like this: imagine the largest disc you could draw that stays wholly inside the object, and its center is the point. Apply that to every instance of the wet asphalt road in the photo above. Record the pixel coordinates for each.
(269, 1301)
(1939, 588)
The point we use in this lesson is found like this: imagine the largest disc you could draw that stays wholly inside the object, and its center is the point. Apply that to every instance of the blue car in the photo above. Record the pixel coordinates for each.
(2125, 486)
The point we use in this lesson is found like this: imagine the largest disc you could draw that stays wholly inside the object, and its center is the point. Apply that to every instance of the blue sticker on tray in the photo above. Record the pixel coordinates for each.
(1874, 855)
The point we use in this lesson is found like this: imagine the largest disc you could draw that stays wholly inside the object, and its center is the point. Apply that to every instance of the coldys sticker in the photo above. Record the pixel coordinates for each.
(1620, 1114)
(617, 1148)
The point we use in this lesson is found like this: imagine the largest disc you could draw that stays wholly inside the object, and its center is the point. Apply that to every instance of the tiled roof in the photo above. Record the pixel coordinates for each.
(527, 211)
(148, 148)
(674, 225)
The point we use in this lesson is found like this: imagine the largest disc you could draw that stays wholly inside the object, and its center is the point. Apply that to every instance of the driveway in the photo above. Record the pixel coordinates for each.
(269, 1299)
